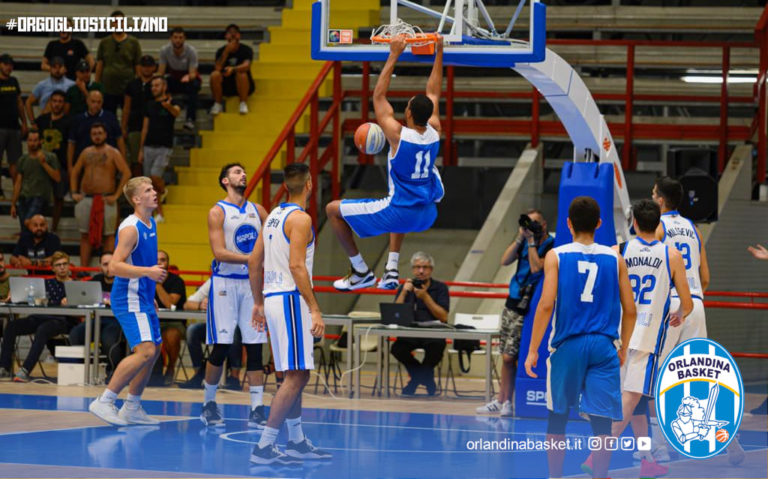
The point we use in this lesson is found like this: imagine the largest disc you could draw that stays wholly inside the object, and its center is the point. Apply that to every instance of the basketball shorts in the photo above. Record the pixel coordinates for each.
(511, 331)
(694, 326)
(288, 322)
(639, 373)
(139, 327)
(230, 306)
(369, 217)
(584, 371)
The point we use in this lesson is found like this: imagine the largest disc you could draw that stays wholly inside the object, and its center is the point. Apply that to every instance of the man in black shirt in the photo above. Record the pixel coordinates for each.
(70, 49)
(430, 303)
(232, 74)
(11, 111)
(54, 128)
(80, 131)
(138, 93)
(171, 294)
(36, 246)
(157, 136)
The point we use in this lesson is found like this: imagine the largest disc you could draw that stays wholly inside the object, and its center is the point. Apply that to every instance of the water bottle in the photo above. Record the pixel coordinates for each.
(31, 295)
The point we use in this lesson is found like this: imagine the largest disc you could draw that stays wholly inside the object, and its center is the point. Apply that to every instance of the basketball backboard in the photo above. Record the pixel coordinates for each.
(472, 38)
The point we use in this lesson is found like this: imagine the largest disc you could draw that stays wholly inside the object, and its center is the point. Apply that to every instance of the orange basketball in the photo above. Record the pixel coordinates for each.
(369, 138)
(722, 435)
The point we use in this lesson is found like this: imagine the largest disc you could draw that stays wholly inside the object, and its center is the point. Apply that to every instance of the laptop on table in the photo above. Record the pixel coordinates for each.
(403, 315)
(20, 289)
(83, 293)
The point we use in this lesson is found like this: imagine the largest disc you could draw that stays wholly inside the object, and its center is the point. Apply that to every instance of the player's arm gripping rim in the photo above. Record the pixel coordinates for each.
(543, 311)
(677, 267)
(256, 278)
(127, 239)
(216, 238)
(435, 84)
(385, 114)
(298, 228)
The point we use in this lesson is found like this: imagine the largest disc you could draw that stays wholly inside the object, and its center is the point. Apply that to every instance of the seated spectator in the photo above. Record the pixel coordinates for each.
(137, 94)
(430, 303)
(232, 74)
(196, 339)
(171, 294)
(178, 64)
(44, 327)
(72, 50)
(43, 90)
(157, 138)
(36, 245)
(111, 332)
(54, 128)
(11, 111)
(77, 93)
(96, 193)
(37, 171)
(116, 61)
(5, 284)
(80, 132)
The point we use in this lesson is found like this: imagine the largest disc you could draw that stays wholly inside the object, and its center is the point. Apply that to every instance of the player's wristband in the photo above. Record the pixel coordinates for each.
(531, 245)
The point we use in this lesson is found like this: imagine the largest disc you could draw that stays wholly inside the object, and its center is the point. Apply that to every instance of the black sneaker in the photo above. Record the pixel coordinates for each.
(195, 382)
(410, 388)
(270, 455)
(257, 419)
(211, 415)
(233, 384)
(306, 450)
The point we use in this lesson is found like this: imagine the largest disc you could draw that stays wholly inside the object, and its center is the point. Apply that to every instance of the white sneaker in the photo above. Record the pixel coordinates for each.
(216, 109)
(136, 416)
(355, 280)
(243, 108)
(390, 280)
(506, 409)
(189, 125)
(659, 453)
(106, 412)
(493, 407)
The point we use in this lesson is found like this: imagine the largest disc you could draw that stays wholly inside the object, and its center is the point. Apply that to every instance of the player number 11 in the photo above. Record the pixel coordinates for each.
(418, 172)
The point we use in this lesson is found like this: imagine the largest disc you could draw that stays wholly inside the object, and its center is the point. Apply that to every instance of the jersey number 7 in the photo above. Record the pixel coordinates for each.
(591, 270)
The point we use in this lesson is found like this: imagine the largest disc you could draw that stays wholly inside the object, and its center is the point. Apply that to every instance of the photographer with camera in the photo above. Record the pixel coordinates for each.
(529, 249)
(430, 303)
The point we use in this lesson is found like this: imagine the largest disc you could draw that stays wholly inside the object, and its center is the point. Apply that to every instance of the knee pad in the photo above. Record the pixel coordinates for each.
(642, 407)
(253, 363)
(556, 423)
(219, 354)
(601, 426)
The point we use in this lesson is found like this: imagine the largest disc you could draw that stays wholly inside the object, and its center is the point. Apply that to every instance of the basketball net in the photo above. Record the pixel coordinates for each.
(421, 43)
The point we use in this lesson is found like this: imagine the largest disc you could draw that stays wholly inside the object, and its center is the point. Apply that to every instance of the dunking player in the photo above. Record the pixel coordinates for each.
(414, 182)
(653, 268)
(280, 270)
(593, 294)
(233, 226)
(134, 265)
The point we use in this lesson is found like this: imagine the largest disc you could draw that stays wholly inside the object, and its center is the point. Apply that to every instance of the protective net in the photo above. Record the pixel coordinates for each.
(414, 35)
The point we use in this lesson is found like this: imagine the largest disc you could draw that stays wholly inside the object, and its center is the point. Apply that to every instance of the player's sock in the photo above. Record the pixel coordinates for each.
(358, 263)
(210, 392)
(133, 401)
(392, 260)
(257, 396)
(108, 397)
(268, 437)
(295, 433)
(656, 437)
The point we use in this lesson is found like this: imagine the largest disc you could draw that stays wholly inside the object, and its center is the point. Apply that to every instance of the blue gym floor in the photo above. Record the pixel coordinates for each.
(364, 444)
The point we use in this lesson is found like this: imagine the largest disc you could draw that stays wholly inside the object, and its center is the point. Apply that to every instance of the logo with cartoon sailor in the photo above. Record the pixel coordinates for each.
(700, 398)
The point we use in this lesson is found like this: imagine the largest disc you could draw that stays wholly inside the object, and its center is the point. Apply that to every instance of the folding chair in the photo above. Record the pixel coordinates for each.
(478, 321)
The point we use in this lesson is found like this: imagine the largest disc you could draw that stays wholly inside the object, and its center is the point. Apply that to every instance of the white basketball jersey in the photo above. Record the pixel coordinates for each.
(679, 233)
(241, 229)
(651, 280)
(277, 273)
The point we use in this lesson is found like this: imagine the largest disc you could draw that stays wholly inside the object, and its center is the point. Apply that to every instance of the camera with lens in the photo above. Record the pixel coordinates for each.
(534, 227)
(417, 283)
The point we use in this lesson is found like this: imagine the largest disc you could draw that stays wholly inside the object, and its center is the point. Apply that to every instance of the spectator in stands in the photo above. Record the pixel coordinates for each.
(96, 193)
(80, 132)
(13, 117)
(78, 93)
(43, 90)
(232, 74)
(71, 50)
(44, 327)
(178, 63)
(54, 128)
(759, 252)
(137, 94)
(430, 301)
(38, 170)
(117, 63)
(171, 294)
(36, 245)
(529, 249)
(157, 138)
(111, 332)
(5, 286)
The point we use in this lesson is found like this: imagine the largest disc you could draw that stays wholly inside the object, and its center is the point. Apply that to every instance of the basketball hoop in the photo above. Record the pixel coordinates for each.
(421, 43)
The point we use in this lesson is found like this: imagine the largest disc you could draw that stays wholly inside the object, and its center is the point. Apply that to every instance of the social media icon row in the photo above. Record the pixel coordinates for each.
(611, 443)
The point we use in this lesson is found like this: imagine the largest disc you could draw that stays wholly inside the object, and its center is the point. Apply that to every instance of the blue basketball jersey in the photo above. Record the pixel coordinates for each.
(587, 292)
(137, 294)
(413, 176)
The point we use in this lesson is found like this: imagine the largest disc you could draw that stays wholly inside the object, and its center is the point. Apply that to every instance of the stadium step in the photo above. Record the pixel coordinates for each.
(279, 117)
(280, 70)
(250, 158)
(197, 195)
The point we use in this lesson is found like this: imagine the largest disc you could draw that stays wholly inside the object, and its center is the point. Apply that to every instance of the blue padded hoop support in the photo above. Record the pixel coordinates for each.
(502, 58)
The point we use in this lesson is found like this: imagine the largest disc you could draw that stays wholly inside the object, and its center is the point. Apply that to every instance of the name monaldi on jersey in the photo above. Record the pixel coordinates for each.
(649, 261)
(699, 367)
